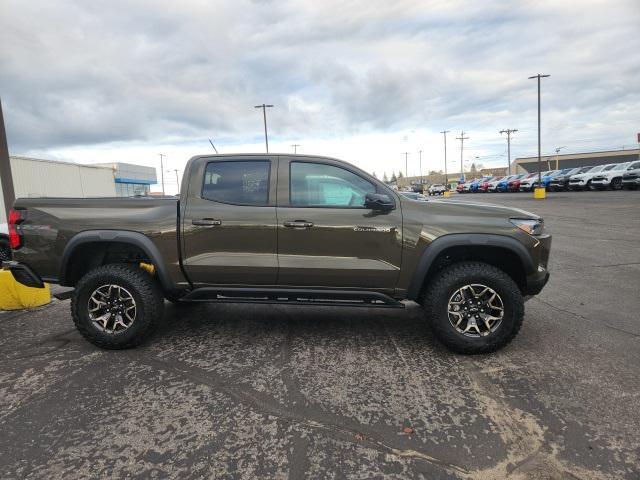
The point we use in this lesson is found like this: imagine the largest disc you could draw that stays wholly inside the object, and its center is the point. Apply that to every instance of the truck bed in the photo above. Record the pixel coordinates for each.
(52, 222)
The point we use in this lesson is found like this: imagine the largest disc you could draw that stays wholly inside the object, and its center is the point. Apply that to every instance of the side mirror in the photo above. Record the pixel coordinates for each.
(378, 201)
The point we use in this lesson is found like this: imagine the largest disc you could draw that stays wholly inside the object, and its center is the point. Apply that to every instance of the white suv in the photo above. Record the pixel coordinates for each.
(631, 176)
(582, 181)
(610, 178)
(437, 189)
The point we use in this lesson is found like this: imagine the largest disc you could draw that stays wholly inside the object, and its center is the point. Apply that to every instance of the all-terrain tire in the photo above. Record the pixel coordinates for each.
(145, 292)
(435, 301)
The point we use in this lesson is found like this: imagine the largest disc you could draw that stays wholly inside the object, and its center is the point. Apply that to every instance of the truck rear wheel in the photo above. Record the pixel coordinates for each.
(474, 307)
(116, 306)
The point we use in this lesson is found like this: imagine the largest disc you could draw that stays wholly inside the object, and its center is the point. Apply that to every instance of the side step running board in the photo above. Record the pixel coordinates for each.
(352, 298)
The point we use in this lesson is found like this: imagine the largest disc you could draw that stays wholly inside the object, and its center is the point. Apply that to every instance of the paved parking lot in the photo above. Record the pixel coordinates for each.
(236, 391)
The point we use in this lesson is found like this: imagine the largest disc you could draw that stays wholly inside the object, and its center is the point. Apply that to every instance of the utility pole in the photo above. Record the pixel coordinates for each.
(446, 179)
(162, 155)
(508, 131)
(264, 116)
(406, 164)
(420, 152)
(538, 77)
(295, 148)
(462, 138)
(6, 180)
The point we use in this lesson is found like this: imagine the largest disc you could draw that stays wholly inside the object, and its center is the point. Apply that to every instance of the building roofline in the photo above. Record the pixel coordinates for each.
(629, 151)
(45, 160)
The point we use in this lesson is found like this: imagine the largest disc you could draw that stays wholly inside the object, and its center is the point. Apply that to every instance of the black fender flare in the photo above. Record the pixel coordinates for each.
(120, 236)
(440, 244)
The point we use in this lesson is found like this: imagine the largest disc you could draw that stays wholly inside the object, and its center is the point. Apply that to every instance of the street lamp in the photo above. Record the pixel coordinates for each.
(557, 153)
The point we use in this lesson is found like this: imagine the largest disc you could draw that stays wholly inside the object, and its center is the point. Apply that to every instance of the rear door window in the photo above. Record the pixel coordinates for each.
(237, 182)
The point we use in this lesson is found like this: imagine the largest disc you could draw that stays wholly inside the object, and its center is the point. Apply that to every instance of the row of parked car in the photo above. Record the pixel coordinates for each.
(613, 176)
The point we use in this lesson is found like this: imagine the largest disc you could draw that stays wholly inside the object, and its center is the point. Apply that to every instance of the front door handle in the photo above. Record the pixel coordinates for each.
(298, 224)
(206, 222)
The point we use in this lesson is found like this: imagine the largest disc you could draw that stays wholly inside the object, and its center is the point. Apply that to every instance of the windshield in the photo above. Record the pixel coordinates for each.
(584, 169)
(596, 169)
(619, 167)
(607, 168)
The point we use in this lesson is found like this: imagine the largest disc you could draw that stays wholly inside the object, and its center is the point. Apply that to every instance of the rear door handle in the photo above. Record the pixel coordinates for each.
(206, 222)
(298, 224)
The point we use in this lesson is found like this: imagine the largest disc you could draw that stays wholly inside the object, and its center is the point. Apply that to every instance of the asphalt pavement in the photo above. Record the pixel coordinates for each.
(255, 391)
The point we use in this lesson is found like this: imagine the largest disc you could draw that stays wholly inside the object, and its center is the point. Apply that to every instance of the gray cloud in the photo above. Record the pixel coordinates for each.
(78, 73)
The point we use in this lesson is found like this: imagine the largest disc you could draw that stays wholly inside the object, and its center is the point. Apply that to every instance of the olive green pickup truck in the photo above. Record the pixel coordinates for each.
(282, 229)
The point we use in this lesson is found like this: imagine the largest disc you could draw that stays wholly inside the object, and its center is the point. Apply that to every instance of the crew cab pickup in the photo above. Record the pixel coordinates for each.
(282, 229)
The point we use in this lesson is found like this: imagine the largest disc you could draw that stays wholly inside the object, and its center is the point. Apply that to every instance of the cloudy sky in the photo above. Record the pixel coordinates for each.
(360, 80)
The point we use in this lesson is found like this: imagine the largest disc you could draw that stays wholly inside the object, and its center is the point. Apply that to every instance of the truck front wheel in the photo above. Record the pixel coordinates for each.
(473, 307)
(116, 306)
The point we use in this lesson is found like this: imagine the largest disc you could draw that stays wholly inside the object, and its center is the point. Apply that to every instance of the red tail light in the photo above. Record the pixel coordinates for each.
(16, 217)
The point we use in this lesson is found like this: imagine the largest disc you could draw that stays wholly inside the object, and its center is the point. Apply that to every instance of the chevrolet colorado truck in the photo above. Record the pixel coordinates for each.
(293, 229)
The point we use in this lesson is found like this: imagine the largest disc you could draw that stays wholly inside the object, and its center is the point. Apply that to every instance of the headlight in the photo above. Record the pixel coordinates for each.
(531, 226)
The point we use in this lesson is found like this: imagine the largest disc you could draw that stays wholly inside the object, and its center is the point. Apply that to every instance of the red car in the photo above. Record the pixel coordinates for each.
(484, 185)
(460, 188)
(514, 185)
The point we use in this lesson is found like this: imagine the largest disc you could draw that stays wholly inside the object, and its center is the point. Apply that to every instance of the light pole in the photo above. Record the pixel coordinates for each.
(508, 131)
(446, 178)
(420, 152)
(406, 164)
(557, 153)
(264, 116)
(162, 155)
(177, 179)
(462, 138)
(295, 148)
(538, 77)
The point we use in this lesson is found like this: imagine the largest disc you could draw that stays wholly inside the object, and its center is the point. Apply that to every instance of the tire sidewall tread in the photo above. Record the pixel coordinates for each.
(143, 288)
(436, 296)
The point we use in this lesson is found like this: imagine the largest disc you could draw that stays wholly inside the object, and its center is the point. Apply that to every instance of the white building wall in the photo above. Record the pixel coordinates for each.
(46, 178)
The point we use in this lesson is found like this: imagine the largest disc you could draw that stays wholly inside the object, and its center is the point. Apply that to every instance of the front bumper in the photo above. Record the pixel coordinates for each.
(536, 281)
(23, 274)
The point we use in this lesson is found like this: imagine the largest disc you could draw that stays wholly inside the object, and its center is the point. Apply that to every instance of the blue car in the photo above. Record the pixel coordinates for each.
(546, 180)
(475, 186)
(504, 184)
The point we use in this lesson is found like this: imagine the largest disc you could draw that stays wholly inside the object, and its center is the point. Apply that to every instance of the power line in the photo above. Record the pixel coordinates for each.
(508, 131)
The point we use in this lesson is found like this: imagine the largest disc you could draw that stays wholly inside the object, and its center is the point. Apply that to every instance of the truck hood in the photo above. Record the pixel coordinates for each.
(480, 209)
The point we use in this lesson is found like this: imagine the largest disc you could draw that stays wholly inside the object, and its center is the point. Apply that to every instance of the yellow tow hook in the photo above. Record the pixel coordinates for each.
(148, 267)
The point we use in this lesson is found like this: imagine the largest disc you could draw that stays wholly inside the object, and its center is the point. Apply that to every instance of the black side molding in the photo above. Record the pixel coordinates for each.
(23, 274)
(465, 239)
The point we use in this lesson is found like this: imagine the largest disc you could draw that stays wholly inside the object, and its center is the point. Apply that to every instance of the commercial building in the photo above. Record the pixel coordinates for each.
(572, 160)
(131, 179)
